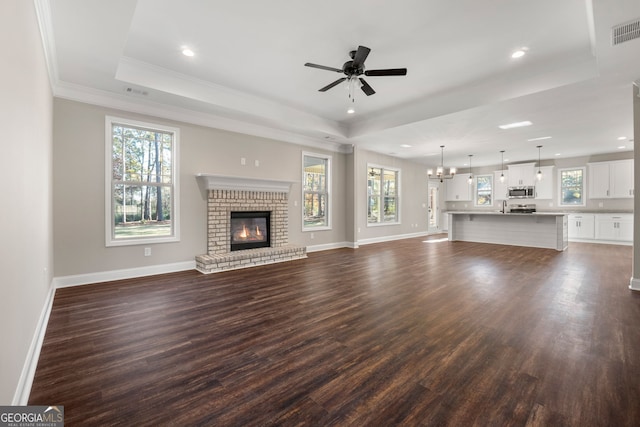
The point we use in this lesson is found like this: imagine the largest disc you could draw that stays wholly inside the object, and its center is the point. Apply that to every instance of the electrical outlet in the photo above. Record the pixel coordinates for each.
(295, 203)
(243, 161)
(147, 251)
(312, 235)
(601, 205)
(257, 163)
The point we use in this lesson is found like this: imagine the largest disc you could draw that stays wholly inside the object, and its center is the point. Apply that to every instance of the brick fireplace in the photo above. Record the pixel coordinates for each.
(227, 194)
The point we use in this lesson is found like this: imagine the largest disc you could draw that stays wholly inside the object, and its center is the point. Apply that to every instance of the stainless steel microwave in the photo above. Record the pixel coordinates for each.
(528, 192)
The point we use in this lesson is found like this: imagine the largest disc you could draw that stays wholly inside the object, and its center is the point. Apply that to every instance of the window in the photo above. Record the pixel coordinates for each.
(571, 187)
(141, 183)
(315, 177)
(484, 190)
(382, 195)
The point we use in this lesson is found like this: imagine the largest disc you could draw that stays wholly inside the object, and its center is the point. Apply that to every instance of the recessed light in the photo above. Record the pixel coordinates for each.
(351, 111)
(406, 145)
(516, 125)
(187, 52)
(539, 139)
(622, 147)
(622, 138)
(519, 53)
(558, 154)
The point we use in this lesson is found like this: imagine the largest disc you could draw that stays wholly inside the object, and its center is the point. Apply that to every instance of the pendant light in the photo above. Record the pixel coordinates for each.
(539, 174)
(440, 169)
(470, 180)
(502, 166)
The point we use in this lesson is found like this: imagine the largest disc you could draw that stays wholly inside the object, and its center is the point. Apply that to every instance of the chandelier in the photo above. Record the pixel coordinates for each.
(440, 175)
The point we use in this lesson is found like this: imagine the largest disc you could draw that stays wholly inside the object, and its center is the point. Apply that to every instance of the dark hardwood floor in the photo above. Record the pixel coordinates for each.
(399, 333)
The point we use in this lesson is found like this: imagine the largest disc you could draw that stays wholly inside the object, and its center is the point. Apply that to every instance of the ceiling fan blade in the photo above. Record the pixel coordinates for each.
(361, 55)
(366, 88)
(330, 85)
(388, 72)
(322, 67)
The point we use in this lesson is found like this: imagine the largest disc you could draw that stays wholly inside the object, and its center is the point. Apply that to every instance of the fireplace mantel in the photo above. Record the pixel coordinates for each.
(223, 182)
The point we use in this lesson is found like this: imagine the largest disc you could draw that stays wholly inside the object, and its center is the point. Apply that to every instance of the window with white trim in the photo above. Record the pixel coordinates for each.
(571, 182)
(484, 190)
(141, 185)
(383, 195)
(316, 173)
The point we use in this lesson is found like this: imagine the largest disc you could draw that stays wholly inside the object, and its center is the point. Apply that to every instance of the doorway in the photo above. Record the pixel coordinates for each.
(433, 208)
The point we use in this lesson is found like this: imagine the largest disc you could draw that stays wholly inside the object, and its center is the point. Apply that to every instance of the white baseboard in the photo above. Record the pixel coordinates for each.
(328, 246)
(21, 396)
(390, 238)
(634, 284)
(129, 273)
(604, 242)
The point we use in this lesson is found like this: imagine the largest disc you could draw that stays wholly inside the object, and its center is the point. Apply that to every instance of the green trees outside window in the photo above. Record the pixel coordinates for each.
(484, 190)
(572, 186)
(141, 182)
(316, 191)
(382, 195)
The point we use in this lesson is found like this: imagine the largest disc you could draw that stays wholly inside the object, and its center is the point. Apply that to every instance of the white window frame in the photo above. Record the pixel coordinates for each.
(398, 196)
(475, 189)
(110, 239)
(328, 192)
(584, 186)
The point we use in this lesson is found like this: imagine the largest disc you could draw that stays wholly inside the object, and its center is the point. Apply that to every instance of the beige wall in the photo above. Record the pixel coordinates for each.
(25, 196)
(79, 191)
(79, 188)
(413, 195)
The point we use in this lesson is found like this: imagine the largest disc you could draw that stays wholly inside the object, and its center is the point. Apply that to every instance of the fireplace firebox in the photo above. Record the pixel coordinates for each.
(250, 230)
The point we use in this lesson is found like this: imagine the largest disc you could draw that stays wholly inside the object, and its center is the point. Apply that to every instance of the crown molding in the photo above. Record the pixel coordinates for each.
(240, 103)
(43, 15)
(107, 99)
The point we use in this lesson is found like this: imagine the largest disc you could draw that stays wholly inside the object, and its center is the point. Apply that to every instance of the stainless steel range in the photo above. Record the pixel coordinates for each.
(529, 208)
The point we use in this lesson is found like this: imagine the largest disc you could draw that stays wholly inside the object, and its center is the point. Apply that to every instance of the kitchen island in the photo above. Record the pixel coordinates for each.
(539, 230)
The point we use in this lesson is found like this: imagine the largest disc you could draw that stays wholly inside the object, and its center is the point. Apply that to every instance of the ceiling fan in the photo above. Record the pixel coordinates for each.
(355, 68)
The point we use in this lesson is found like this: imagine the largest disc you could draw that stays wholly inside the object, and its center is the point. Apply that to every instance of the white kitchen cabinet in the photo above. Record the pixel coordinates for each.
(544, 187)
(615, 227)
(522, 175)
(598, 180)
(621, 178)
(581, 226)
(611, 180)
(500, 188)
(458, 189)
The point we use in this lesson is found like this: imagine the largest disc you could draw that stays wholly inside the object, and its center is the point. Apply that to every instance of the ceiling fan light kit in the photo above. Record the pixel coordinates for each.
(353, 69)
